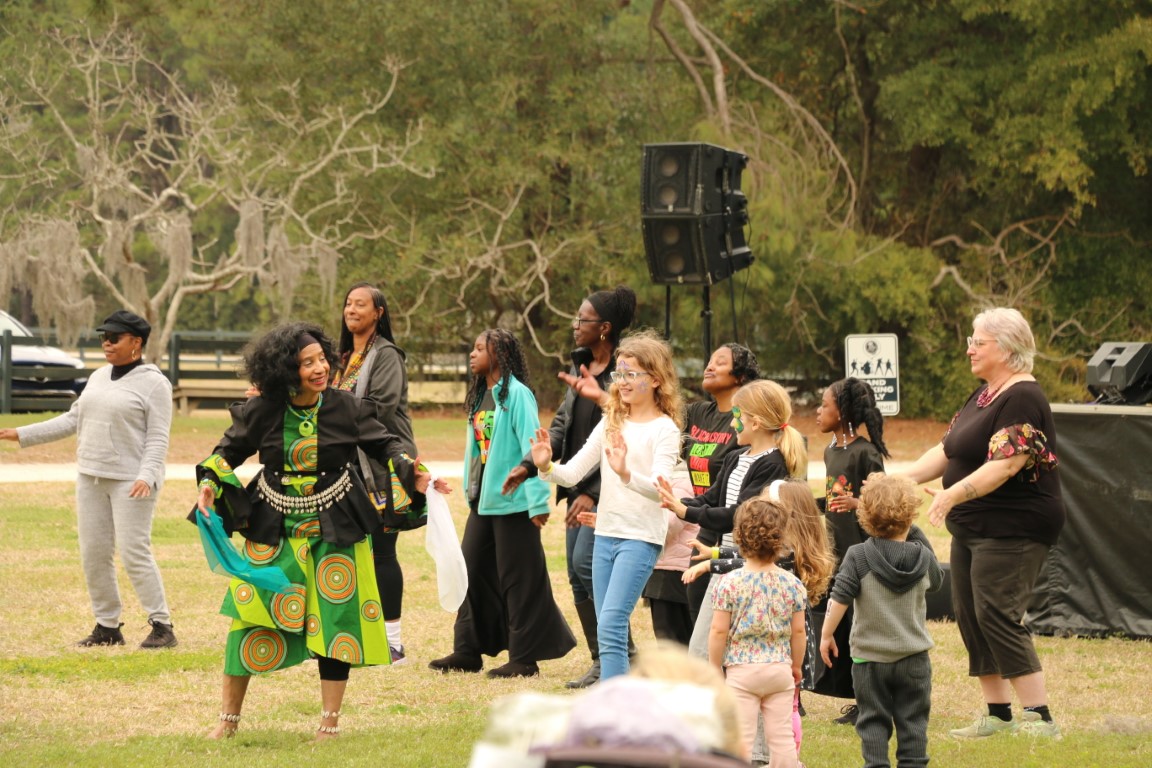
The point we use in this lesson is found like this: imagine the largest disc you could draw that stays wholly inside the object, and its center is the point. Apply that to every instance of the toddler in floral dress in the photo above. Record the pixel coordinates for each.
(757, 634)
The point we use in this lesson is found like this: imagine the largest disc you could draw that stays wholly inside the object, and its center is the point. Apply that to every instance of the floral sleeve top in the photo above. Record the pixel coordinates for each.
(762, 605)
(1029, 505)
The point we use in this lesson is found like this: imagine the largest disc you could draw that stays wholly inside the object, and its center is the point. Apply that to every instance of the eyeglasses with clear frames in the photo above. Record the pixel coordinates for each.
(977, 343)
(628, 376)
(582, 320)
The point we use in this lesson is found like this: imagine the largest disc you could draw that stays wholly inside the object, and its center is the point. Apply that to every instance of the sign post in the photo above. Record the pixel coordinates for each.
(874, 358)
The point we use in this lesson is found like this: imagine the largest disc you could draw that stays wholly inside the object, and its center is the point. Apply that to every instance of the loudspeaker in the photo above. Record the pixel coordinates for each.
(684, 179)
(686, 250)
(693, 213)
(1121, 372)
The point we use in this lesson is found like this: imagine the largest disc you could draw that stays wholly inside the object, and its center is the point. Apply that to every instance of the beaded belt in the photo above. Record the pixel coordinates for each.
(297, 505)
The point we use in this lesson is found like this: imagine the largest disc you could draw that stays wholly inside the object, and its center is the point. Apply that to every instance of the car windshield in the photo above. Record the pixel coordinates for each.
(9, 323)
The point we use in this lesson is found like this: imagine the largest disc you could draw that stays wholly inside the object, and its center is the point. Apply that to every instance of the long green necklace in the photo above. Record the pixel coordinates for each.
(308, 417)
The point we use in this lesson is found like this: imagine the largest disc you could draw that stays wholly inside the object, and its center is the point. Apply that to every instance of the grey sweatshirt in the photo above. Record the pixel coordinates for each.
(887, 580)
(122, 426)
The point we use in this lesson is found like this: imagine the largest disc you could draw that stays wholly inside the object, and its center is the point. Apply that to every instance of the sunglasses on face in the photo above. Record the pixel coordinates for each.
(110, 337)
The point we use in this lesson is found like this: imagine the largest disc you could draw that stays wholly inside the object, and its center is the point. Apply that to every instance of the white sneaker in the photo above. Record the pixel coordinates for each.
(985, 726)
(1031, 724)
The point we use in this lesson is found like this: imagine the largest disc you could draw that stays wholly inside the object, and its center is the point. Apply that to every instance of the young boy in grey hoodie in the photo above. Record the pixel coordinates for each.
(887, 577)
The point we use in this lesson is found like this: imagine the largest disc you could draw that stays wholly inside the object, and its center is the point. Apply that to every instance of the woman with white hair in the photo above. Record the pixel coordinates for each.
(1001, 502)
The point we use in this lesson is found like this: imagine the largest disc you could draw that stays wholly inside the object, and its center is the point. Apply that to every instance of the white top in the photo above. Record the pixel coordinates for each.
(629, 511)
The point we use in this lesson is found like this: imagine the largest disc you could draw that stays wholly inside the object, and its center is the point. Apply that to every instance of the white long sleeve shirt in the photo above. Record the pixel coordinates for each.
(632, 510)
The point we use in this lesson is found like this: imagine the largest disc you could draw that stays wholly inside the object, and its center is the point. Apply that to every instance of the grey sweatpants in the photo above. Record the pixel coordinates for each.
(894, 696)
(108, 519)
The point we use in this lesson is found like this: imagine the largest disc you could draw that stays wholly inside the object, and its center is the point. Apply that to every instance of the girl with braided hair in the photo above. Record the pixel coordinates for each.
(509, 604)
(848, 405)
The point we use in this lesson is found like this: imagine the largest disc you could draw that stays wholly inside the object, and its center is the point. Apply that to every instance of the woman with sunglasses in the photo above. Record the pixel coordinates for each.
(121, 422)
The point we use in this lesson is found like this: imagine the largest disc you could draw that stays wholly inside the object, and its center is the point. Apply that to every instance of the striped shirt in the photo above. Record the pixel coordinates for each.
(736, 483)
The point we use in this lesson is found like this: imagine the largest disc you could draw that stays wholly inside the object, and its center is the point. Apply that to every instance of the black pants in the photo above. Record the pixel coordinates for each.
(509, 605)
(667, 598)
(389, 576)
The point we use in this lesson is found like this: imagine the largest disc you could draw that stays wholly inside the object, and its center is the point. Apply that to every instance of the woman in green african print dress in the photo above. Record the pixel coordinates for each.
(306, 514)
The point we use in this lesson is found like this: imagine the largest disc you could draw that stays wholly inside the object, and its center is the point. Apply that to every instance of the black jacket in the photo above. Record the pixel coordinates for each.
(708, 510)
(345, 424)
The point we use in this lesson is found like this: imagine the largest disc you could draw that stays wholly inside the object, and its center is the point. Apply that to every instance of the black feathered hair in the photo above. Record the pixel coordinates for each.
(744, 365)
(857, 405)
(508, 355)
(616, 306)
(271, 362)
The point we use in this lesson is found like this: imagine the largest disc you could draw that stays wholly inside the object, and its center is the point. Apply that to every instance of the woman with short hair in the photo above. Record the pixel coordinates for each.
(1002, 504)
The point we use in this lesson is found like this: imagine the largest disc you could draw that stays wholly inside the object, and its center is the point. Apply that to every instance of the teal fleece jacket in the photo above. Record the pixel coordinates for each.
(513, 425)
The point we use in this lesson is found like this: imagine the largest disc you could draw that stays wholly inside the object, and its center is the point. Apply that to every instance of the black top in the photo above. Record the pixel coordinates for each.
(846, 469)
(344, 423)
(709, 509)
(708, 438)
(1029, 505)
(574, 421)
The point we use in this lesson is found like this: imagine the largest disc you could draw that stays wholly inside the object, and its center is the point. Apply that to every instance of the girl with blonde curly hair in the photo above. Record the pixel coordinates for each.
(637, 441)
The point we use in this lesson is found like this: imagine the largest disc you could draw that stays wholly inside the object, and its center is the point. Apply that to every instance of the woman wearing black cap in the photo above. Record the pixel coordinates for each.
(121, 422)
(596, 331)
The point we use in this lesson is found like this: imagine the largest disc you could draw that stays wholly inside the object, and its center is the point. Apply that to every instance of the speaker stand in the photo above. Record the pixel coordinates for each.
(706, 316)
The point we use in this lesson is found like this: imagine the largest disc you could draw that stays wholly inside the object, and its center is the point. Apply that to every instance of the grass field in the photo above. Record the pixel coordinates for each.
(98, 707)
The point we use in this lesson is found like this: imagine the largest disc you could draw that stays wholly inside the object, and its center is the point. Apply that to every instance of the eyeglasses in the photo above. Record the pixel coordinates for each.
(629, 376)
(977, 343)
(581, 321)
(110, 337)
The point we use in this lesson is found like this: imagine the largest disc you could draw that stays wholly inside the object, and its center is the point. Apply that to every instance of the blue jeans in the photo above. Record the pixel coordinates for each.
(620, 569)
(578, 543)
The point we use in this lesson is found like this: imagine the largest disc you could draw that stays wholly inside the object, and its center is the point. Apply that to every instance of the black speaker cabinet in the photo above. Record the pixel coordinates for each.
(1120, 373)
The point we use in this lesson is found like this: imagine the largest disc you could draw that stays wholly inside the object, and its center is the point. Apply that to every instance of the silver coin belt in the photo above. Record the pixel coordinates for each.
(296, 505)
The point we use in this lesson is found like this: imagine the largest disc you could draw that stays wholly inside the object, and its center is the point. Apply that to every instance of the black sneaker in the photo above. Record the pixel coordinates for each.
(515, 669)
(161, 636)
(457, 662)
(102, 635)
(848, 715)
(398, 656)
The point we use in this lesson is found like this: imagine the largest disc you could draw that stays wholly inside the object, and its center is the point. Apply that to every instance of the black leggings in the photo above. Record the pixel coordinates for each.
(389, 576)
(333, 669)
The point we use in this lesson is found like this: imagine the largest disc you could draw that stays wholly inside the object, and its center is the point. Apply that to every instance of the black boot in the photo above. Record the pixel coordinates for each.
(102, 635)
(586, 612)
(161, 636)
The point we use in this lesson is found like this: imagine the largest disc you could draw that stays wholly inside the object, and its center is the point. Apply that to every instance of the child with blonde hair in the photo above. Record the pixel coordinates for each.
(757, 635)
(768, 449)
(637, 441)
(886, 578)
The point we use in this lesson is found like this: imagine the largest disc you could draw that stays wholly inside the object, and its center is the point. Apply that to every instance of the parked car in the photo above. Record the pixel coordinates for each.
(37, 387)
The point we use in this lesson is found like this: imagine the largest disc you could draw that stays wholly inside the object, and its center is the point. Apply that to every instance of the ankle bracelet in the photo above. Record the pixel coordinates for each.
(328, 729)
(325, 714)
(230, 718)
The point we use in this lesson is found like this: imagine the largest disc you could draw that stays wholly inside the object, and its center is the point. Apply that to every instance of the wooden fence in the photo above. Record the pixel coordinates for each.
(204, 368)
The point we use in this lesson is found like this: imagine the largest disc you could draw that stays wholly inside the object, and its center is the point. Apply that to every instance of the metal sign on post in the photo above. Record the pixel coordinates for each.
(874, 358)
